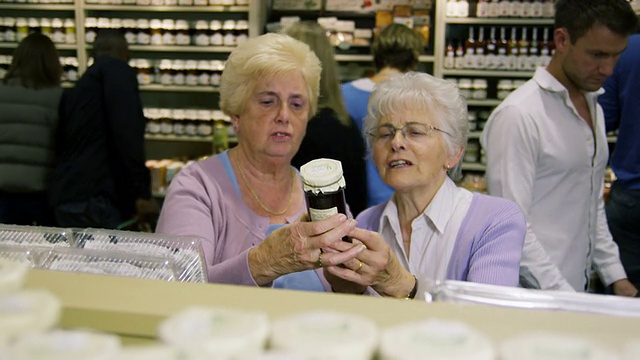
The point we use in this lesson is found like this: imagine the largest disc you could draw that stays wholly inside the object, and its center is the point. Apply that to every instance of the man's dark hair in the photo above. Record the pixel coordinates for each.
(111, 42)
(398, 47)
(579, 16)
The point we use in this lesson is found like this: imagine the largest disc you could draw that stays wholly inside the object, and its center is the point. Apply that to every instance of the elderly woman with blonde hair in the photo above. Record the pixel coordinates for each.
(247, 203)
(430, 229)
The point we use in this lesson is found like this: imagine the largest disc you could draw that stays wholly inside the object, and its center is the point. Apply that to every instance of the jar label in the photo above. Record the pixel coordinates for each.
(321, 214)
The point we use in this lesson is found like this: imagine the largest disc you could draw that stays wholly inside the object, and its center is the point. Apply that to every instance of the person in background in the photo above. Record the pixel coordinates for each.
(622, 113)
(331, 133)
(396, 50)
(247, 203)
(547, 151)
(101, 179)
(29, 98)
(430, 229)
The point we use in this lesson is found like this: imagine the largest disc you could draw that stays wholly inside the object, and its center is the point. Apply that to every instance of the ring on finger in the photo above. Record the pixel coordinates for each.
(359, 266)
(319, 261)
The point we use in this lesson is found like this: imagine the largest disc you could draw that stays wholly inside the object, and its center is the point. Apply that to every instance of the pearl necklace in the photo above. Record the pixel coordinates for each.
(257, 199)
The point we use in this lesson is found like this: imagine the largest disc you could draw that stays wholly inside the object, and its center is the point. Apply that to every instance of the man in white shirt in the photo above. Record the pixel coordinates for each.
(547, 151)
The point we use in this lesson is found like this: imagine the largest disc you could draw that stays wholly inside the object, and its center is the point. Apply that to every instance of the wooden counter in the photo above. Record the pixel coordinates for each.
(132, 308)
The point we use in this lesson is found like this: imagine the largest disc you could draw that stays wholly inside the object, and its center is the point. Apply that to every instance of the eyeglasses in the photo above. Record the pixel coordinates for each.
(412, 131)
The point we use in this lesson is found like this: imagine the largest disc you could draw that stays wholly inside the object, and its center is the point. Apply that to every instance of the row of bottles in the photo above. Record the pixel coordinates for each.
(178, 72)
(501, 8)
(522, 53)
(69, 67)
(171, 2)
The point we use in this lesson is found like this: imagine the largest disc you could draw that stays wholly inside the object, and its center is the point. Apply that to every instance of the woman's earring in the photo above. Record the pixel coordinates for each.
(448, 166)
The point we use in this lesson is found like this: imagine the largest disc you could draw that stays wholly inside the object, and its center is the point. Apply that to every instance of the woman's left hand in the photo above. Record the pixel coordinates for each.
(376, 266)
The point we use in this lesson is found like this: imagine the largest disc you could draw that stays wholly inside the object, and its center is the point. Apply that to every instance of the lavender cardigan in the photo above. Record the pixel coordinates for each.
(488, 245)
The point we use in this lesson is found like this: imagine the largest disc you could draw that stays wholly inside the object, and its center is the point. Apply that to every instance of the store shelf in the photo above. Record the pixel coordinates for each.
(500, 21)
(486, 102)
(184, 49)
(147, 8)
(475, 134)
(612, 139)
(369, 58)
(178, 138)
(473, 167)
(47, 7)
(177, 88)
(489, 73)
(13, 45)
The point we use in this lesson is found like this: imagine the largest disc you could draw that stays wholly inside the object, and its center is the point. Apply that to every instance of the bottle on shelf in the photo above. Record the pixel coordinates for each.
(449, 56)
(527, 9)
(451, 8)
(523, 51)
(515, 8)
(548, 9)
(512, 51)
(537, 9)
(502, 59)
(459, 61)
(494, 8)
(491, 50)
(470, 50)
(480, 50)
(504, 8)
(482, 8)
(534, 51)
(544, 49)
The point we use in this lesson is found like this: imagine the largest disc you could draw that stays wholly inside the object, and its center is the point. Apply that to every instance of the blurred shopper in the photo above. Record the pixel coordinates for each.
(29, 97)
(247, 203)
(622, 112)
(101, 179)
(547, 151)
(396, 50)
(331, 133)
(430, 230)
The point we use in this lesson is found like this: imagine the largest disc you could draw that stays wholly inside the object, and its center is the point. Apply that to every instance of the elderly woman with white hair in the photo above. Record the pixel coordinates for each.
(430, 229)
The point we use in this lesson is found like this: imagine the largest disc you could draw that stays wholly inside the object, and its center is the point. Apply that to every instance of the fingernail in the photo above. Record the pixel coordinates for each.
(362, 247)
(342, 217)
(354, 222)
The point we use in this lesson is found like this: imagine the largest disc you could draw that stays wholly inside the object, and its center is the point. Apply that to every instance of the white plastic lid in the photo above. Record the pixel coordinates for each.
(223, 333)
(155, 23)
(182, 25)
(553, 346)
(26, 311)
(322, 175)
(326, 335)
(178, 64)
(67, 344)
(435, 339)
(12, 274)
(215, 25)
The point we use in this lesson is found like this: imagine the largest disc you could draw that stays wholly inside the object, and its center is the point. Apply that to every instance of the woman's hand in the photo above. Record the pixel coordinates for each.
(376, 266)
(297, 247)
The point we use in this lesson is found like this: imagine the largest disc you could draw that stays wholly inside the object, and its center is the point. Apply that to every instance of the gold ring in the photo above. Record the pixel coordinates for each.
(359, 266)
(320, 259)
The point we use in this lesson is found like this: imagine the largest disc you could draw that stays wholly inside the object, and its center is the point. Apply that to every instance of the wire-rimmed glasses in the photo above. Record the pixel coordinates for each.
(411, 131)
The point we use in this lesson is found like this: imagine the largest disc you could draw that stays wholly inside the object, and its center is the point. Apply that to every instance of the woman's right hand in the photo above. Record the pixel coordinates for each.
(297, 247)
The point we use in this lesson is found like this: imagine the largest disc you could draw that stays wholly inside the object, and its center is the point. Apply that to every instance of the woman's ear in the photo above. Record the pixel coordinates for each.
(235, 120)
(454, 159)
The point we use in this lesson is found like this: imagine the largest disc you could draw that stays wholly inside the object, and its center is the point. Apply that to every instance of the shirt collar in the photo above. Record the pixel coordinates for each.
(437, 213)
(548, 82)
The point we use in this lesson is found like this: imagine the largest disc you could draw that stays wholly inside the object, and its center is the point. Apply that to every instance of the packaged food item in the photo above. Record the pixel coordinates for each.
(67, 344)
(553, 346)
(326, 335)
(12, 275)
(26, 311)
(435, 339)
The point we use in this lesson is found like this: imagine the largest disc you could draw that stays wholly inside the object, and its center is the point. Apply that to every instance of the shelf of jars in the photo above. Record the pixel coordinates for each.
(473, 166)
(182, 48)
(178, 88)
(184, 138)
(13, 45)
(486, 102)
(369, 58)
(166, 8)
(488, 73)
(52, 7)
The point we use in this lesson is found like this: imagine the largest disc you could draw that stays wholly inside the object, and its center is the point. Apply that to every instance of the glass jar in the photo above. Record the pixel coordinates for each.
(71, 68)
(45, 27)
(472, 152)
(34, 26)
(191, 126)
(130, 31)
(166, 125)
(155, 25)
(178, 72)
(242, 31)
(201, 36)
(22, 29)
(204, 73)
(182, 32)
(324, 188)
(191, 67)
(166, 73)
(10, 30)
(168, 32)
(145, 73)
(216, 72)
(465, 85)
(479, 89)
(229, 30)
(70, 31)
(153, 121)
(205, 128)
(178, 122)
(103, 23)
(215, 30)
(144, 33)
(505, 86)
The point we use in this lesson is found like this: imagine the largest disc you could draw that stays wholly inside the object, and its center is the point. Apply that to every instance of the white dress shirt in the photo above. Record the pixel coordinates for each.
(543, 155)
(433, 233)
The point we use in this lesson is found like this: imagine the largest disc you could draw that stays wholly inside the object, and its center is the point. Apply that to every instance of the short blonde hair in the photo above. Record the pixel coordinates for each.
(264, 56)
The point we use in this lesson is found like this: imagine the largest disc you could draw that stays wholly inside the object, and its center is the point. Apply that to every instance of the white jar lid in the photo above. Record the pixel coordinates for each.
(27, 311)
(322, 175)
(435, 339)
(12, 275)
(326, 335)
